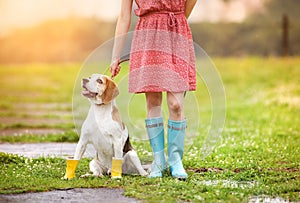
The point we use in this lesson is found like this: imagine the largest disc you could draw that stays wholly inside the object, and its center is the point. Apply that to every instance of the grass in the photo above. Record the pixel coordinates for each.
(37, 126)
(39, 93)
(257, 155)
(37, 83)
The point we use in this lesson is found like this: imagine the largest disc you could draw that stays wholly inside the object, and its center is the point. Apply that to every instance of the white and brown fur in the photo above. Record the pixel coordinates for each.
(104, 129)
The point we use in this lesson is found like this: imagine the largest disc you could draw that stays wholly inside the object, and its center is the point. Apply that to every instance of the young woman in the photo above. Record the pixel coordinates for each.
(162, 59)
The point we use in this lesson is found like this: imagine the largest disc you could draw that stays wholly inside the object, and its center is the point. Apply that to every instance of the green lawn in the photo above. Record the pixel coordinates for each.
(257, 155)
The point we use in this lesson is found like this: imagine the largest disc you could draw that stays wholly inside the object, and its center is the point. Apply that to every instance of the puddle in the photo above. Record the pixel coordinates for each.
(228, 183)
(266, 199)
(243, 185)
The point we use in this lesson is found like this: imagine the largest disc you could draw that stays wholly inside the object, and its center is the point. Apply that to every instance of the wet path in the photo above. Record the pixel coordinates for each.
(34, 150)
(81, 195)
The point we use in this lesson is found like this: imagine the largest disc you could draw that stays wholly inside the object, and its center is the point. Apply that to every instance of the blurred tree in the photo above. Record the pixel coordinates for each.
(276, 8)
(73, 39)
(65, 40)
(259, 34)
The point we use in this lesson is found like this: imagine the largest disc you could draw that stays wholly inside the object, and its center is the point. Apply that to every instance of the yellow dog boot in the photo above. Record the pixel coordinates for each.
(116, 168)
(71, 168)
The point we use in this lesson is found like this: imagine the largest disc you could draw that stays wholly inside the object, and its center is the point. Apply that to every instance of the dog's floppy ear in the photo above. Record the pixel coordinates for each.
(110, 92)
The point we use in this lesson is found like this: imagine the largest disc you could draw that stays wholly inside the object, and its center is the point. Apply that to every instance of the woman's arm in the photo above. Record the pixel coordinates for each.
(189, 5)
(122, 27)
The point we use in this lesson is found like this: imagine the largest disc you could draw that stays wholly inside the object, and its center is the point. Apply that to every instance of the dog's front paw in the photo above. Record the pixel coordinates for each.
(144, 173)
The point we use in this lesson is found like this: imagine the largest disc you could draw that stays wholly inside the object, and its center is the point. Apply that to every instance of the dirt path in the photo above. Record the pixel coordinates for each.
(52, 149)
(72, 195)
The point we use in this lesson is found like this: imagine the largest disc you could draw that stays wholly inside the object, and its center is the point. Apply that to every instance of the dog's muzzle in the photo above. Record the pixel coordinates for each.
(85, 92)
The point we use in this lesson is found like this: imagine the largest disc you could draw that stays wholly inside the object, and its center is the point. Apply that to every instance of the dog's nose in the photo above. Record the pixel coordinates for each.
(84, 81)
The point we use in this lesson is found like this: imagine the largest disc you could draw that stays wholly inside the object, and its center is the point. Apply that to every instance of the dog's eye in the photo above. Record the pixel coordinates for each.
(99, 81)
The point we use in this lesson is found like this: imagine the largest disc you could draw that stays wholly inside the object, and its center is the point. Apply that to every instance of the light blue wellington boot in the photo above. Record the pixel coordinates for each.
(155, 130)
(176, 133)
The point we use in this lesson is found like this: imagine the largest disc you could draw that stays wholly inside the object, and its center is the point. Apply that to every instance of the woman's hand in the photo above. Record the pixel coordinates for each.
(115, 68)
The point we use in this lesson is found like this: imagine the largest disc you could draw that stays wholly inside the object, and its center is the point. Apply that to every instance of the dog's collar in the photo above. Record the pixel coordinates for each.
(93, 101)
(100, 104)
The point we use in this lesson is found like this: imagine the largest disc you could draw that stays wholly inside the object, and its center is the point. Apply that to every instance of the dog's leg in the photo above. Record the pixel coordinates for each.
(80, 148)
(96, 168)
(117, 159)
(132, 164)
(118, 150)
(72, 163)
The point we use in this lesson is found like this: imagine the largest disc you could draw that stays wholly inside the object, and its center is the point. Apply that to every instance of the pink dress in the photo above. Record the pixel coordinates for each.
(162, 56)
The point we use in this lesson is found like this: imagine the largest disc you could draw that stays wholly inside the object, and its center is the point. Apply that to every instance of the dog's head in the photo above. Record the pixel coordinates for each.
(100, 89)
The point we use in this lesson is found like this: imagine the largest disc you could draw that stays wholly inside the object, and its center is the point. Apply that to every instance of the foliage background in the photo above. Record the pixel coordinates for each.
(72, 39)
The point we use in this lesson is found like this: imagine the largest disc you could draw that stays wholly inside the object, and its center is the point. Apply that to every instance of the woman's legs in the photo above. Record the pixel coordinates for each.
(153, 100)
(176, 105)
(176, 134)
(155, 130)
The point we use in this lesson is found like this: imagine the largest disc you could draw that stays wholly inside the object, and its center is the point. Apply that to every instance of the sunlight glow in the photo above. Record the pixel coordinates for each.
(22, 13)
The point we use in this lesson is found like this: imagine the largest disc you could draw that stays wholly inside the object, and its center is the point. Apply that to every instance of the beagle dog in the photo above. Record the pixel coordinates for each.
(104, 129)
